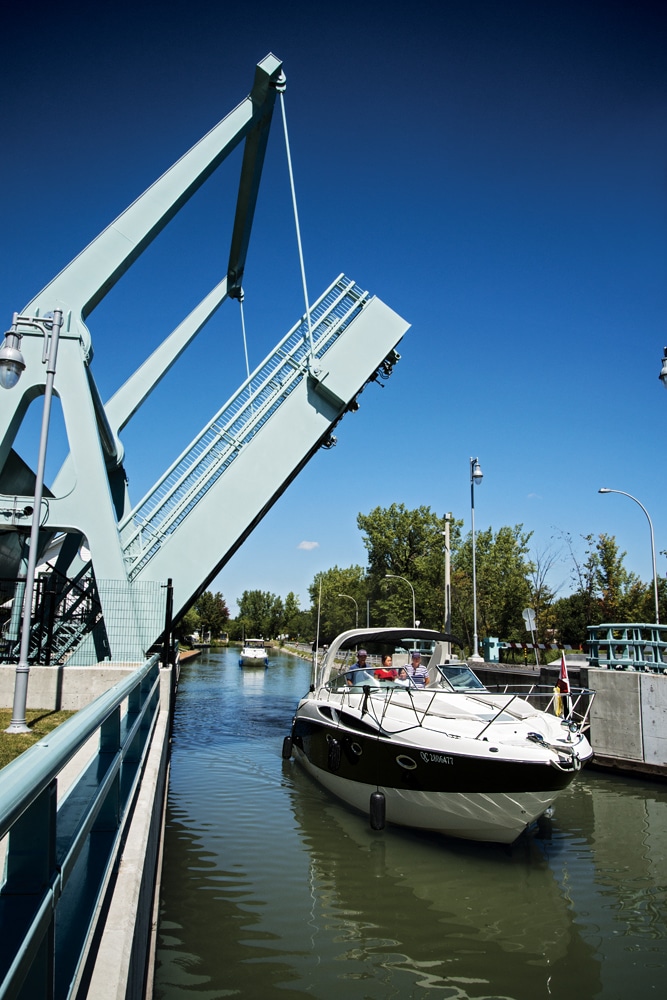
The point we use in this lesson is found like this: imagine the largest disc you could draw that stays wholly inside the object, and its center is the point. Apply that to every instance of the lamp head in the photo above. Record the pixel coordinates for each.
(12, 362)
(663, 371)
(476, 474)
(605, 489)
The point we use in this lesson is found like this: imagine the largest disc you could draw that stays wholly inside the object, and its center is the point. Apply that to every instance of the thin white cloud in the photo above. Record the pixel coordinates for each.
(308, 546)
(534, 496)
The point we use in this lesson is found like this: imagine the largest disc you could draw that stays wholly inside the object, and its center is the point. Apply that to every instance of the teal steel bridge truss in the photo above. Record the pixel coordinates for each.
(111, 605)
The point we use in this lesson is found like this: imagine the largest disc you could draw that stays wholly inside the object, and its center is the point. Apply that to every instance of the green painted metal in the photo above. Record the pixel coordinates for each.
(628, 646)
(59, 857)
(273, 423)
(241, 461)
(89, 506)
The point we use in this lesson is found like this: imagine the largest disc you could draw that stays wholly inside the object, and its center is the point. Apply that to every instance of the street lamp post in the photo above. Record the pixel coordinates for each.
(356, 607)
(392, 576)
(476, 477)
(448, 582)
(604, 489)
(11, 368)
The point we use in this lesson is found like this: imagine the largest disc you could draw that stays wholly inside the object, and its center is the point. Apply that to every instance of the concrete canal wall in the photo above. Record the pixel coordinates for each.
(629, 721)
(62, 688)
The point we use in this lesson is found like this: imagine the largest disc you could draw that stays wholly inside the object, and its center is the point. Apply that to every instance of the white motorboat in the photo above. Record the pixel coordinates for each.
(452, 756)
(253, 654)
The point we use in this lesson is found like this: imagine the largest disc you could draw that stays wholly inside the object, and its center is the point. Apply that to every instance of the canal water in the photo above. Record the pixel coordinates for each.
(271, 888)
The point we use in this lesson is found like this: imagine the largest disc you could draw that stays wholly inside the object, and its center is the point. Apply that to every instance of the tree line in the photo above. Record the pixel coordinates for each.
(405, 577)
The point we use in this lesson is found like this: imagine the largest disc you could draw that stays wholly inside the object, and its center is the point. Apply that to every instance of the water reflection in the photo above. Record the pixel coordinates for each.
(270, 885)
(443, 914)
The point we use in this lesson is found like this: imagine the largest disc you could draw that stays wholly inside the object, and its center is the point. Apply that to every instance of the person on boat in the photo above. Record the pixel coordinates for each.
(360, 674)
(386, 672)
(416, 670)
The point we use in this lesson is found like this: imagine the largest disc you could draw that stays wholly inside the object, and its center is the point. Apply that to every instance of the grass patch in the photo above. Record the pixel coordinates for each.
(41, 722)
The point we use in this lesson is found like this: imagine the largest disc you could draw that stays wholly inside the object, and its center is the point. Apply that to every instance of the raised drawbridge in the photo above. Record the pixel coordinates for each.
(104, 560)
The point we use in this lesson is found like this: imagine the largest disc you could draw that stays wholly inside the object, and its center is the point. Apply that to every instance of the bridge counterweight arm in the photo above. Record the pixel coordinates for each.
(86, 280)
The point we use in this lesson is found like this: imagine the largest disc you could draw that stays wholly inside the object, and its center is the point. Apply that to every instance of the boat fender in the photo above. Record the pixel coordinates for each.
(333, 755)
(287, 748)
(378, 809)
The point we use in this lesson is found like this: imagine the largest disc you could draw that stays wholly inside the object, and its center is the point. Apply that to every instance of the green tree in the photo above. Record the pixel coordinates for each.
(542, 595)
(189, 623)
(338, 614)
(604, 592)
(409, 544)
(292, 618)
(503, 568)
(213, 613)
(620, 593)
(261, 613)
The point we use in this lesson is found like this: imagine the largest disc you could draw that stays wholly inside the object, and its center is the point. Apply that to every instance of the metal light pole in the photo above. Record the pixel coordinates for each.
(476, 477)
(448, 582)
(50, 328)
(604, 489)
(356, 606)
(392, 576)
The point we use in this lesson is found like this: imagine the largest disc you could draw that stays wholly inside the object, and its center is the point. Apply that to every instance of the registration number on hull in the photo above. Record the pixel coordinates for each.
(436, 758)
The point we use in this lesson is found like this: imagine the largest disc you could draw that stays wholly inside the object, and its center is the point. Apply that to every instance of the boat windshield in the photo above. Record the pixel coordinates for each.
(460, 677)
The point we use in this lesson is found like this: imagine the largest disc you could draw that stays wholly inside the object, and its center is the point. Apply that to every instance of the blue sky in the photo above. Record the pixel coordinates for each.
(495, 172)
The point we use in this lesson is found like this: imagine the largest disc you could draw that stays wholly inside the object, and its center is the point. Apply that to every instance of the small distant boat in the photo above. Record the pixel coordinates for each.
(198, 641)
(253, 654)
(451, 756)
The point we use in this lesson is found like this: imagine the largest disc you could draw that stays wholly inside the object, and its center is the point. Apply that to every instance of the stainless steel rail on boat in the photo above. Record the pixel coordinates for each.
(524, 692)
(496, 716)
(577, 697)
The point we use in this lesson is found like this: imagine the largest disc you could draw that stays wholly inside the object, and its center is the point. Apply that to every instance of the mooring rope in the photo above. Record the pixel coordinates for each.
(280, 87)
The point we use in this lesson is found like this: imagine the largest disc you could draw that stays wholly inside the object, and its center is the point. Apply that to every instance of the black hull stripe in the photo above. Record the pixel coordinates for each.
(373, 761)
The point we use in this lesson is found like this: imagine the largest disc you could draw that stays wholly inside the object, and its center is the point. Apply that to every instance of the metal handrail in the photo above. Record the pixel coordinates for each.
(59, 857)
(580, 703)
(202, 463)
(632, 640)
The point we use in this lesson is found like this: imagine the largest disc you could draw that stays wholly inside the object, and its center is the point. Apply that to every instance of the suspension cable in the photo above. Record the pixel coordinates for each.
(280, 87)
(245, 343)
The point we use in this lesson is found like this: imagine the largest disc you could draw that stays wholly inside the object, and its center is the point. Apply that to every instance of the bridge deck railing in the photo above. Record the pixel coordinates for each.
(628, 646)
(60, 855)
(176, 494)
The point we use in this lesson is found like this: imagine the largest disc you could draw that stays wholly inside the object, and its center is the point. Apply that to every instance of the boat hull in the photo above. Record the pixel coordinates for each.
(473, 796)
(254, 661)
(253, 656)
